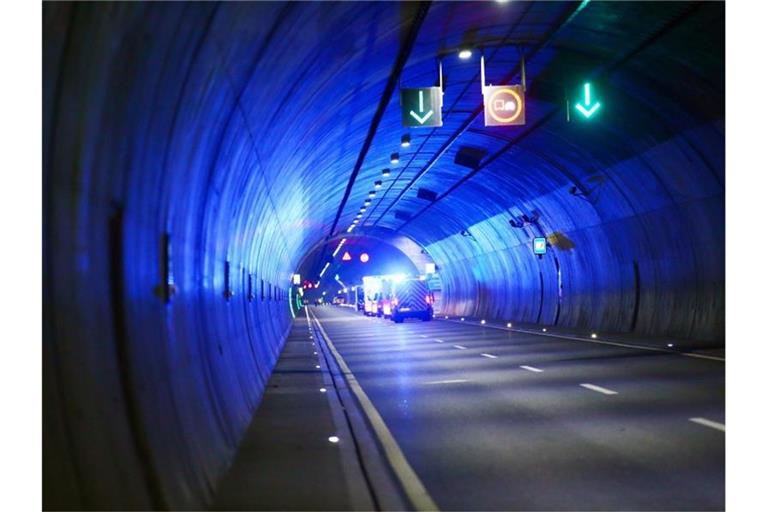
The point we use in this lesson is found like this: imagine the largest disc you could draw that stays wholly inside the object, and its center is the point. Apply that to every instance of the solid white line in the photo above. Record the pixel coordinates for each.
(708, 423)
(460, 347)
(438, 341)
(409, 480)
(452, 381)
(531, 369)
(600, 342)
(702, 356)
(489, 356)
(604, 391)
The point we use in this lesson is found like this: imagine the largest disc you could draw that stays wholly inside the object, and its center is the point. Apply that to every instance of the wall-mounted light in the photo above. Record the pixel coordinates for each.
(362, 209)
(367, 201)
(355, 221)
(377, 184)
(385, 172)
(371, 193)
(405, 141)
(394, 158)
(465, 54)
(359, 215)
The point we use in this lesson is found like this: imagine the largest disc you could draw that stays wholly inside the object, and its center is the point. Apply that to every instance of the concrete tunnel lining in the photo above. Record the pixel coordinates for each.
(236, 138)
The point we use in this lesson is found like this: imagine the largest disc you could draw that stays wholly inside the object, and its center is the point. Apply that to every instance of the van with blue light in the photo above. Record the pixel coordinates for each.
(411, 298)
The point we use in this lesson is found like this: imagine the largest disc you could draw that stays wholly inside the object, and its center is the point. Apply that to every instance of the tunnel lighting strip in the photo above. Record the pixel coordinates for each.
(409, 480)
(328, 264)
(338, 247)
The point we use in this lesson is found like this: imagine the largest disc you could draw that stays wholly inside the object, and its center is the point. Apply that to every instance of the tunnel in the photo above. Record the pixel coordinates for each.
(198, 158)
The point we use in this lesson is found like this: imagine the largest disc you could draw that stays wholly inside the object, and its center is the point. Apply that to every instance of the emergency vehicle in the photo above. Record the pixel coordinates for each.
(377, 291)
(411, 298)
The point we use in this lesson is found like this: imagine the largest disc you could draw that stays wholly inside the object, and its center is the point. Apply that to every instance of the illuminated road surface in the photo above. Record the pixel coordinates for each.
(490, 419)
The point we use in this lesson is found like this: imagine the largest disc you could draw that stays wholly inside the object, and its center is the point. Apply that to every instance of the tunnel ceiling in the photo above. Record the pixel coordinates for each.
(638, 56)
(287, 96)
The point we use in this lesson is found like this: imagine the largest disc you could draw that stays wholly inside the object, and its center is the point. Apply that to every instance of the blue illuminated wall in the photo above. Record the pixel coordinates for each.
(233, 129)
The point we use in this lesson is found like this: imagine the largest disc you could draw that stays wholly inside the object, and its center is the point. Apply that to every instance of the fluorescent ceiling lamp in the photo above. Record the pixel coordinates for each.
(338, 247)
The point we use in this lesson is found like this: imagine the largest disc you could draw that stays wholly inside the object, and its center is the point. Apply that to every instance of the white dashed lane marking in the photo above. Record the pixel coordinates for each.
(599, 389)
(438, 341)
(451, 381)
(531, 369)
(489, 356)
(709, 423)
(460, 347)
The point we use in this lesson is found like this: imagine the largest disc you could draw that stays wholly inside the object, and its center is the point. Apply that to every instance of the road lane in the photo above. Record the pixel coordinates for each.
(509, 437)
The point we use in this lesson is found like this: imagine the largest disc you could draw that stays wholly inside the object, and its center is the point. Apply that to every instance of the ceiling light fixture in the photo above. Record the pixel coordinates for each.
(394, 158)
(377, 184)
(371, 193)
(465, 54)
(405, 141)
(385, 172)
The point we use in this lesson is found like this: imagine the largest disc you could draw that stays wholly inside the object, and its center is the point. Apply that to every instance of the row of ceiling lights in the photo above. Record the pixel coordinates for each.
(394, 159)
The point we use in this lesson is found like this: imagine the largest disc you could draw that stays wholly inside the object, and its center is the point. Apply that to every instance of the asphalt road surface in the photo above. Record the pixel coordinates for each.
(493, 419)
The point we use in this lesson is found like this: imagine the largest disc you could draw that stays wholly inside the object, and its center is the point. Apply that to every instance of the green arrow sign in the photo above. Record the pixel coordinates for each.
(422, 106)
(588, 108)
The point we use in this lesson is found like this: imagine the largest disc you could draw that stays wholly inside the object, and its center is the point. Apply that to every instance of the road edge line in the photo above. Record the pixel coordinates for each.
(599, 342)
(409, 480)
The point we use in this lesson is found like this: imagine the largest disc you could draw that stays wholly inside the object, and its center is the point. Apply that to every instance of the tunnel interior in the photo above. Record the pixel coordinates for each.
(197, 155)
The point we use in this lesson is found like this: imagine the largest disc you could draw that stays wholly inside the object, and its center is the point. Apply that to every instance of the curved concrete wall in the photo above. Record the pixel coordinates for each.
(221, 138)
(628, 258)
